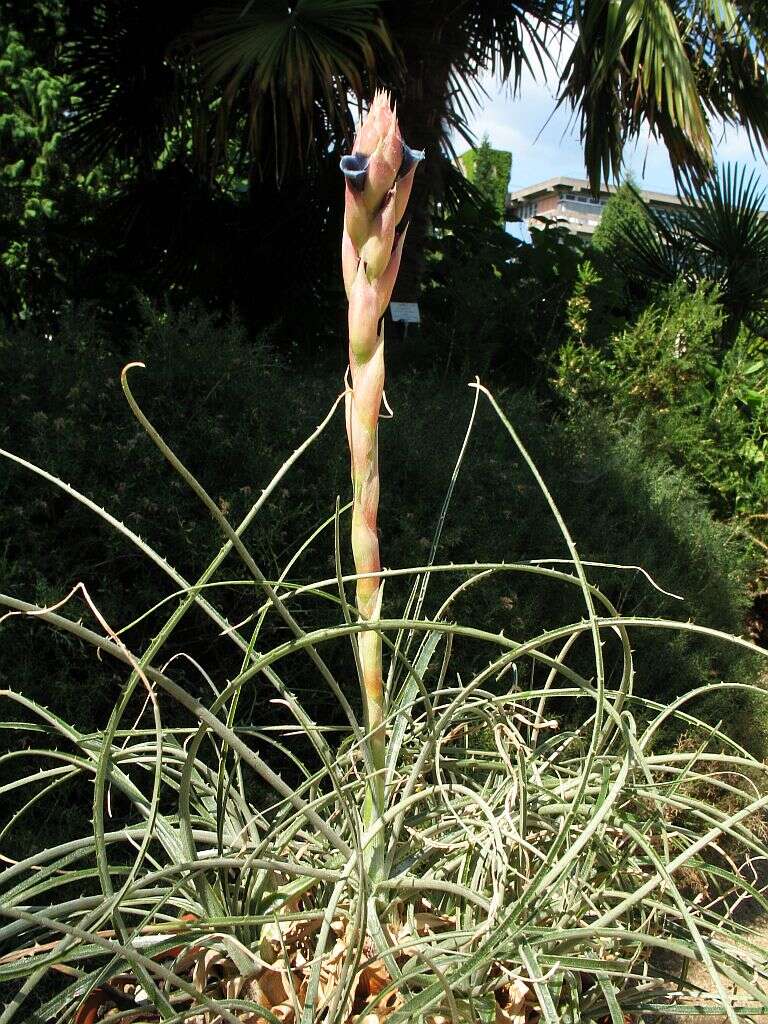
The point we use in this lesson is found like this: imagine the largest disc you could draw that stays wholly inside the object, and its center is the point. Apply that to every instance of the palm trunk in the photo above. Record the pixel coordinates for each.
(424, 99)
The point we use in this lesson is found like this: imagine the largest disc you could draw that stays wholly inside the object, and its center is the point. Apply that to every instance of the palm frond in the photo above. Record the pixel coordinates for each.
(720, 235)
(494, 38)
(131, 86)
(668, 66)
(728, 42)
(295, 67)
(505, 39)
(630, 68)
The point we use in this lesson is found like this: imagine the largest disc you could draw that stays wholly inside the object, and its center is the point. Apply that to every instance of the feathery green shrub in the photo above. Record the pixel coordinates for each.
(666, 379)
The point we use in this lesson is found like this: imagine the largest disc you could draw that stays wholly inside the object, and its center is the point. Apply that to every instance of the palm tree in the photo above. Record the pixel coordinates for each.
(669, 65)
(720, 236)
(283, 79)
(673, 66)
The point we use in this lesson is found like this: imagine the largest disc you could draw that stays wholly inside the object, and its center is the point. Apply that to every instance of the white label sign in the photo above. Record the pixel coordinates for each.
(405, 312)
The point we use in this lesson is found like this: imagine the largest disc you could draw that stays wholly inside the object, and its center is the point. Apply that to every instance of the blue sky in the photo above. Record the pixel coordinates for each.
(544, 144)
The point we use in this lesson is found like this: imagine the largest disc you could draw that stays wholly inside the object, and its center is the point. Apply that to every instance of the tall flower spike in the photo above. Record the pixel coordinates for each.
(378, 177)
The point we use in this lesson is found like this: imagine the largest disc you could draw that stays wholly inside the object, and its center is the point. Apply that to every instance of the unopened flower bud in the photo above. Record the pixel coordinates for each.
(363, 316)
(377, 251)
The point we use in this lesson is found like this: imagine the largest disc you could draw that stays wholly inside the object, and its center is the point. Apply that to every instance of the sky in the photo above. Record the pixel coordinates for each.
(544, 144)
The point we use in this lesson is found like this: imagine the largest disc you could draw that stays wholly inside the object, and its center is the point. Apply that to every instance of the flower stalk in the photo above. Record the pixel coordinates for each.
(378, 178)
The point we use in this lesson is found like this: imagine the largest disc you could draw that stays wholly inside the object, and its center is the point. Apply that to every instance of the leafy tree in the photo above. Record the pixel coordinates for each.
(627, 69)
(613, 298)
(138, 192)
(488, 169)
(216, 129)
(674, 67)
(625, 210)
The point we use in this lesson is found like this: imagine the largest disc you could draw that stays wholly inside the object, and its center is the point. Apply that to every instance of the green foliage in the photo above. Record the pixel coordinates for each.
(468, 295)
(492, 302)
(95, 221)
(665, 379)
(617, 297)
(720, 236)
(625, 210)
(489, 169)
(289, 63)
(162, 175)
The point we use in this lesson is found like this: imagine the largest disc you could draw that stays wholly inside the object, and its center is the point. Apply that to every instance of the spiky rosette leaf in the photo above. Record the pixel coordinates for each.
(531, 868)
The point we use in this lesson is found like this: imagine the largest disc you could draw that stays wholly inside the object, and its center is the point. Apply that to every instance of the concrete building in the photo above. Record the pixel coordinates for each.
(570, 203)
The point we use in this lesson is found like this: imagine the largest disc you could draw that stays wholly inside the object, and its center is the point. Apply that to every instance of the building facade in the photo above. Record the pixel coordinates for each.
(569, 202)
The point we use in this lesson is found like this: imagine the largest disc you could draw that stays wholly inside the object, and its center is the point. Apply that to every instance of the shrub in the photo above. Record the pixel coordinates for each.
(482, 281)
(664, 377)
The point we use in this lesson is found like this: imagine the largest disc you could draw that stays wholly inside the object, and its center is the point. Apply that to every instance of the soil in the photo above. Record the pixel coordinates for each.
(757, 620)
(748, 913)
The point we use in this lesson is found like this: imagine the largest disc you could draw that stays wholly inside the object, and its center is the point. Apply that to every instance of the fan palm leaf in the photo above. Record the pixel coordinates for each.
(720, 235)
(132, 88)
(295, 66)
(728, 227)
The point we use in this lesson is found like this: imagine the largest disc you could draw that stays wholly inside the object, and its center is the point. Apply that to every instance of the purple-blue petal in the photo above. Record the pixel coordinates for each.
(354, 168)
(410, 157)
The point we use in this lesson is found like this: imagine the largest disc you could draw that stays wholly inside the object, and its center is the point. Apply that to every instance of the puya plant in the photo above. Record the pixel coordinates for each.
(458, 852)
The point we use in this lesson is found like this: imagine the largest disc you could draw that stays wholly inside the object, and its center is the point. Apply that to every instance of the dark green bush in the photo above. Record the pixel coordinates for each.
(492, 303)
